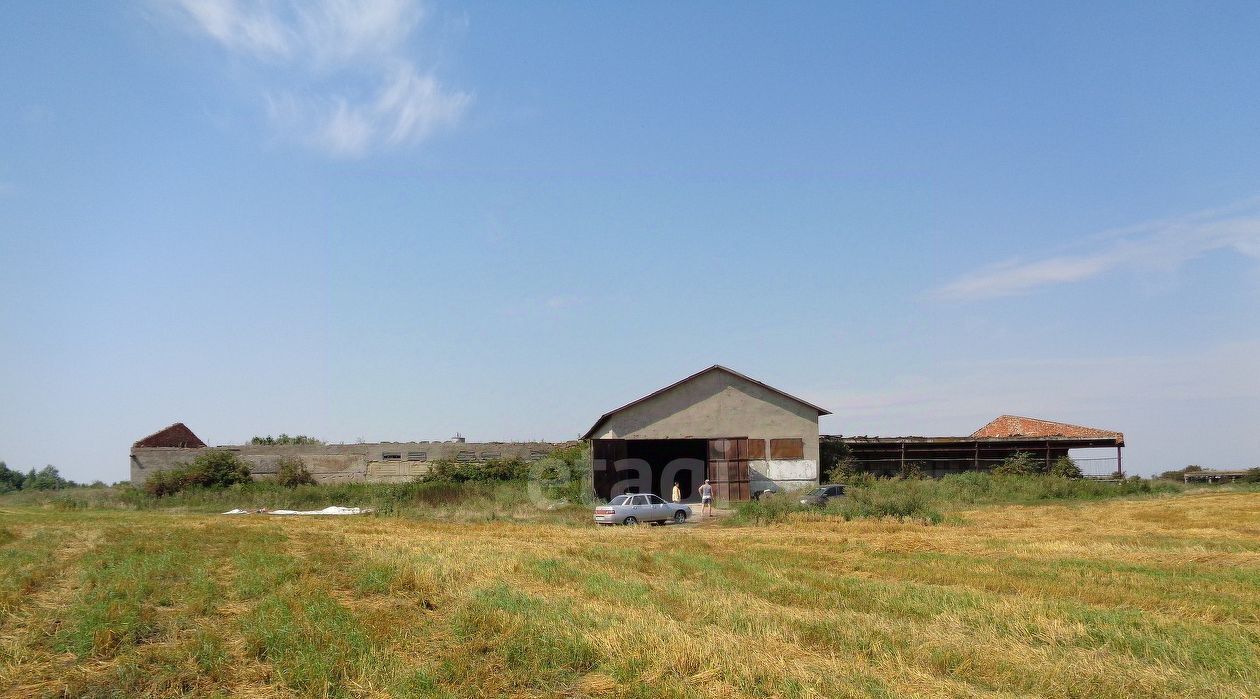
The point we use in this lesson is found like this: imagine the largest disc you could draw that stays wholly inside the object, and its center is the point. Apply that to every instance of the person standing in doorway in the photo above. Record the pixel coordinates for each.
(677, 494)
(706, 498)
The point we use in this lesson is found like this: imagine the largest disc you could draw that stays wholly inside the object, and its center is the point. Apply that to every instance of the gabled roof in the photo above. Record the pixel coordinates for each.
(716, 367)
(1006, 426)
(175, 436)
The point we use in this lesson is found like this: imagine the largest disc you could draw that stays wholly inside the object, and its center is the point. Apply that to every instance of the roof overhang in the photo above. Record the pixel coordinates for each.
(1087, 442)
(716, 367)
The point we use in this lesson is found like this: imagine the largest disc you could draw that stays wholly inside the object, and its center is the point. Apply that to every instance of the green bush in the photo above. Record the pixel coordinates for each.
(912, 471)
(767, 510)
(213, 469)
(895, 498)
(1021, 463)
(291, 472)
(1063, 467)
(928, 499)
(566, 474)
(837, 461)
(285, 439)
(1252, 475)
(511, 469)
(913, 500)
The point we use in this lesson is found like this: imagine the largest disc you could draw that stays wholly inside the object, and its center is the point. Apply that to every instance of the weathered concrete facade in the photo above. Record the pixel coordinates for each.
(779, 430)
(382, 462)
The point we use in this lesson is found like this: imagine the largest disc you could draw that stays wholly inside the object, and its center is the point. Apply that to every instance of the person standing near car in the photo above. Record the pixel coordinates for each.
(677, 494)
(706, 498)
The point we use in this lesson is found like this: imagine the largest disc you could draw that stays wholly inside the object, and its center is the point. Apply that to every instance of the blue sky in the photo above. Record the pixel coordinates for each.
(399, 220)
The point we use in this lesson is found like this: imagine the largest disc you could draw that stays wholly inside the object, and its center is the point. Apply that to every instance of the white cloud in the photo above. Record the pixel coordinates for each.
(337, 75)
(1157, 245)
(259, 32)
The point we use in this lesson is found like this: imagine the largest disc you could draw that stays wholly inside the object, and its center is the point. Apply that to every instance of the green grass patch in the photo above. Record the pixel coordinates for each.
(27, 564)
(315, 645)
(534, 637)
(135, 587)
(930, 500)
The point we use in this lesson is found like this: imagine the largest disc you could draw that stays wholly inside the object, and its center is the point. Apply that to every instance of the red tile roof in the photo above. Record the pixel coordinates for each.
(177, 435)
(1016, 426)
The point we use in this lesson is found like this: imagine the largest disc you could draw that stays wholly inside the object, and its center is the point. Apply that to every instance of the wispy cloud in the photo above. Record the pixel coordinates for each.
(338, 75)
(1156, 245)
(1157, 399)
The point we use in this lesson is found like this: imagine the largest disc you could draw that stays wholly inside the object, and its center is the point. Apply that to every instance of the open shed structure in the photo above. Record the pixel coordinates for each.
(985, 448)
(718, 424)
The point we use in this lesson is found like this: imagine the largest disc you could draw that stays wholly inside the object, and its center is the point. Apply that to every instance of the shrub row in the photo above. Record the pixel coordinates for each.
(926, 499)
(214, 469)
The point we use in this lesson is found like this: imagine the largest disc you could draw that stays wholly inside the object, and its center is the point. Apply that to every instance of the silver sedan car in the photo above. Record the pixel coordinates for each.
(635, 508)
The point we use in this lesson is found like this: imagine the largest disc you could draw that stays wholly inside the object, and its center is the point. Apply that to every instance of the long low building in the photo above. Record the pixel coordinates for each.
(379, 462)
(987, 447)
(742, 435)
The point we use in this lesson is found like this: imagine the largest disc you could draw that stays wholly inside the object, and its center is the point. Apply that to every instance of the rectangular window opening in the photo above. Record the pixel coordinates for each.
(787, 449)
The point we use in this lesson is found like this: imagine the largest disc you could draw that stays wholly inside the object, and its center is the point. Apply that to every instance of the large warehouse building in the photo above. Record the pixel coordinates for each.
(739, 433)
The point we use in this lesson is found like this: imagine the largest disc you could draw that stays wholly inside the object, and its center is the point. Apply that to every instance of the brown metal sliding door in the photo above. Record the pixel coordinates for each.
(728, 469)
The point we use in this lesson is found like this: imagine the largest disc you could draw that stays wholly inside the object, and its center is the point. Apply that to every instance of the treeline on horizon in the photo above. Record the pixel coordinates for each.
(46, 478)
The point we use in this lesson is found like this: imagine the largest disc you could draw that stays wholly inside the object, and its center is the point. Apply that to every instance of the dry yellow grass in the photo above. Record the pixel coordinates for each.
(1155, 597)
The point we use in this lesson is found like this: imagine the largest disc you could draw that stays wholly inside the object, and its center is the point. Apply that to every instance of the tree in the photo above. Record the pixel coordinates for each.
(47, 478)
(1252, 475)
(10, 480)
(838, 463)
(291, 472)
(1021, 463)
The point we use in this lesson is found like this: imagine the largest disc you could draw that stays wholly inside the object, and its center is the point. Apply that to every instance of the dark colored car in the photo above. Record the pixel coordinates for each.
(819, 496)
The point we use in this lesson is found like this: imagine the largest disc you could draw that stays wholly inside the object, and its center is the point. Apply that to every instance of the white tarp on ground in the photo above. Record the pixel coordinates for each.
(333, 510)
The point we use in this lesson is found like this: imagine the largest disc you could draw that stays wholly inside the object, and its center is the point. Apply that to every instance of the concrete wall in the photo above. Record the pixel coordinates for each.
(343, 463)
(719, 404)
(782, 474)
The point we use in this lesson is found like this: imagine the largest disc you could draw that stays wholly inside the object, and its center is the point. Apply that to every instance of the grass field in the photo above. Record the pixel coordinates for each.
(1151, 597)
